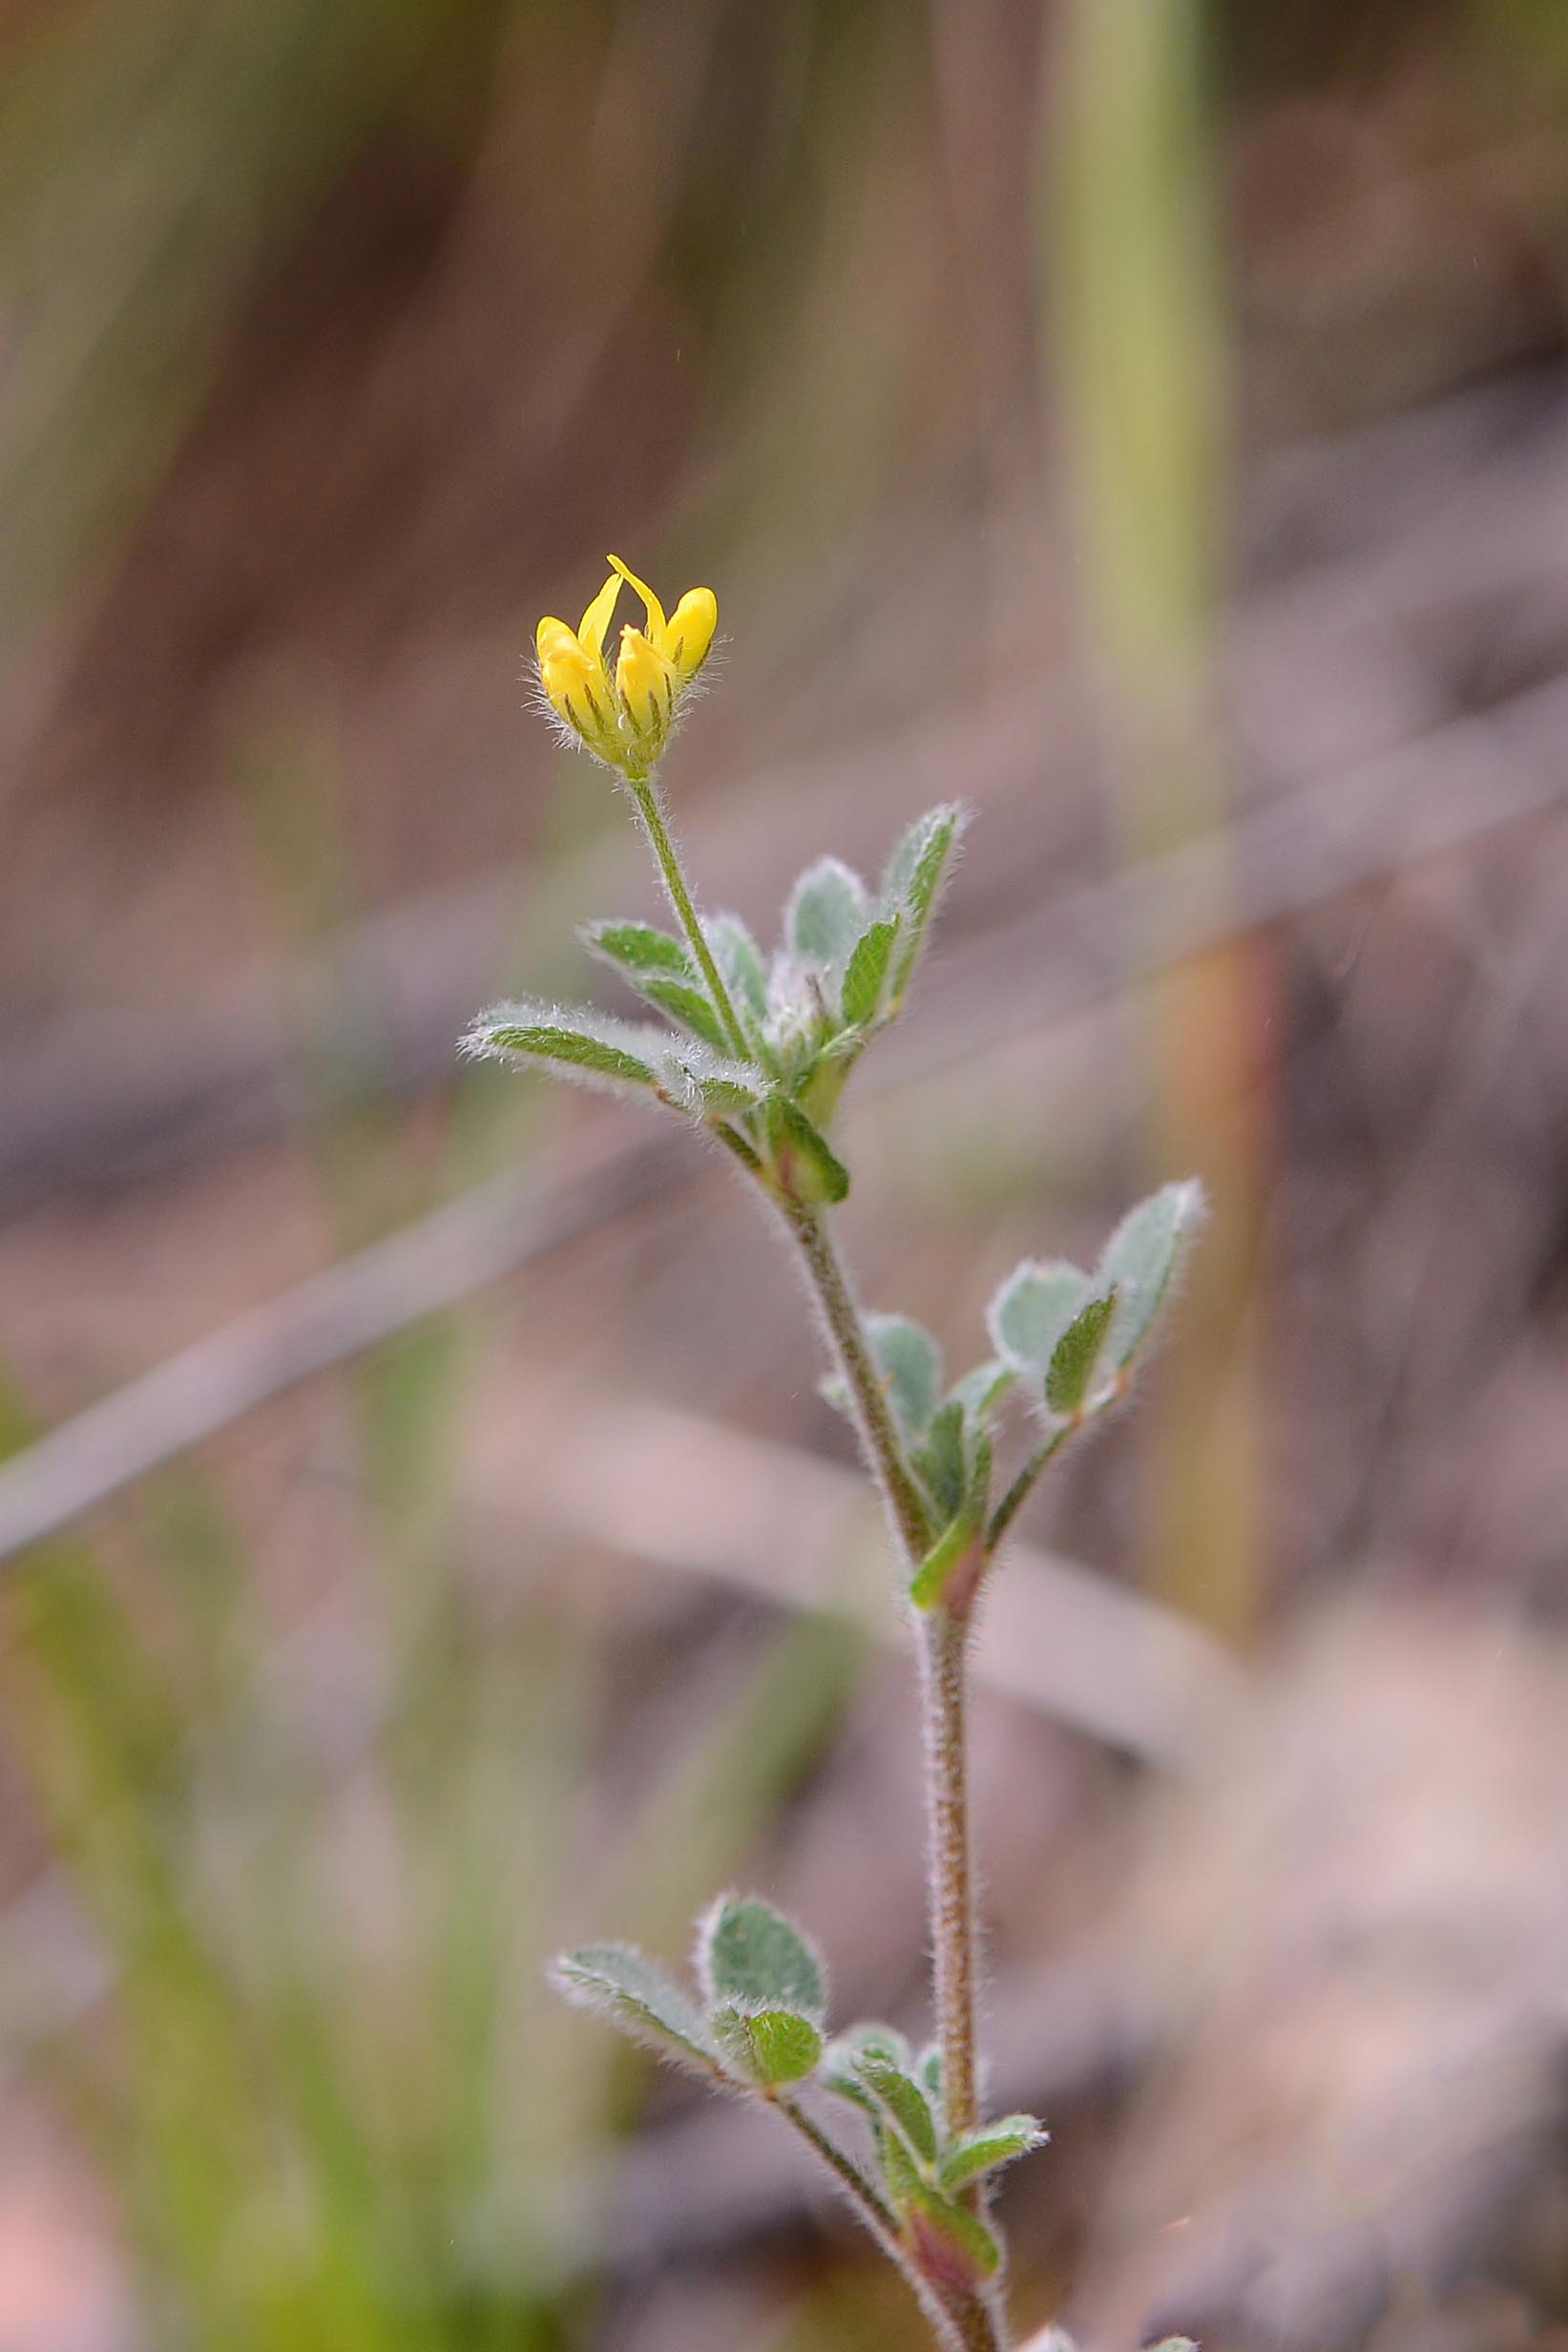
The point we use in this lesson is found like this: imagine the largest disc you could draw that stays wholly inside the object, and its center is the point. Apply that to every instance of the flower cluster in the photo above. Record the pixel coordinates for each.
(625, 719)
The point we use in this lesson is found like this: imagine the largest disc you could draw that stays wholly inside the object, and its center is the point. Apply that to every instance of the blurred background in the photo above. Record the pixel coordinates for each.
(425, 1541)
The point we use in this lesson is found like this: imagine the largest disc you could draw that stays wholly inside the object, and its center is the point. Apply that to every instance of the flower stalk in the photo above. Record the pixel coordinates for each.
(645, 791)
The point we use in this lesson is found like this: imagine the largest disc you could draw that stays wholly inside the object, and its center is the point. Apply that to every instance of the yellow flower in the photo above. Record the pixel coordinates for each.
(625, 719)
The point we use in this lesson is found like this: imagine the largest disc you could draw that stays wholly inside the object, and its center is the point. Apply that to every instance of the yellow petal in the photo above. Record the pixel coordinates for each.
(656, 610)
(645, 682)
(564, 667)
(578, 691)
(595, 620)
(553, 635)
(690, 633)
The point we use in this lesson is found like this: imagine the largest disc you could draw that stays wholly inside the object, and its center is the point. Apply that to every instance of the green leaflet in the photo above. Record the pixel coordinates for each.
(806, 1169)
(721, 1085)
(1032, 1307)
(897, 2091)
(836, 2076)
(912, 883)
(638, 948)
(981, 1390)
(578, 1042)
(1076, 1359)
(952, 2245)
(987, 2148)
(942, 1461)
(910, 1361)
(740, 962)
(686, 1004)
(767, 2046)
(633, 1993)
(1140, 1258)
(928, 2074)
(865, 973)
(751, 1955)
(840, 2061)
(825, 914)
(935, 1572)
(899, 2169)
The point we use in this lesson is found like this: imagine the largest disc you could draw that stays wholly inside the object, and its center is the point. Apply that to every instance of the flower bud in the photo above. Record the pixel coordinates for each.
(576, 687)
(645, 683)
(690, 632)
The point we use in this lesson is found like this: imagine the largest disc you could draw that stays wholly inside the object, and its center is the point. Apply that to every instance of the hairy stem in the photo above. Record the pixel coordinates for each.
(645, 793)
(978, 2328)
(971, 2323)
(868, 1397)
(879, 2219)
(944, 1670)
(967, 2323)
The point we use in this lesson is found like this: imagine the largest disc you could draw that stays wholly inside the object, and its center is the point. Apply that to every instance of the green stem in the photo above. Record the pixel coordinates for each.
(735, 1141)
(1018, 1494)
(868, 1397)
(879, 2217)
(645, 792)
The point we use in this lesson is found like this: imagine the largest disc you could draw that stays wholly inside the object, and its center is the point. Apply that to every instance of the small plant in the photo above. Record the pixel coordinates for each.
(755, 1052)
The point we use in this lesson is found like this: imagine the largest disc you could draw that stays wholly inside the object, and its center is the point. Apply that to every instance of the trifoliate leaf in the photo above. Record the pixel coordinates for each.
(740, 962)
(896, 2089)
(807, 1170)
(825, 915)
(638, 947)
(1140, 1258)
(987, 2149)
(910, 1361)
(751, 1954)
(1032, 1307)
(633, 1993)
(1076, 1358)
(767, 2046)
(575, 1041)
(860, 999)
(912, 885)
